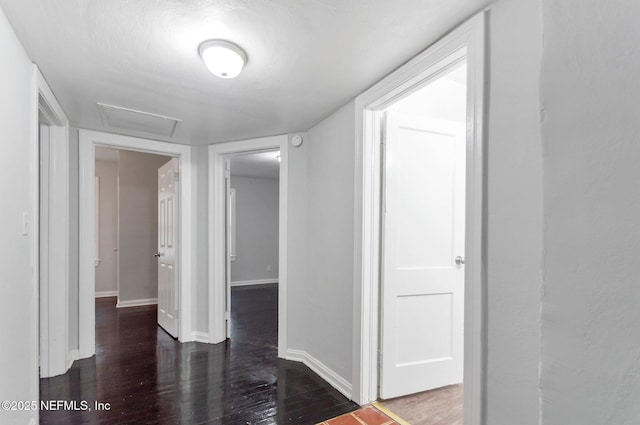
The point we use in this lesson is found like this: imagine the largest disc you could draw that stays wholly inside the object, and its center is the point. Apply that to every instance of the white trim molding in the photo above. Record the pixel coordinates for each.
(322, 370)
(136, 303)
(200, 337)
(73, 356)
(88, 140)
(217, 261)
(52, 240)
(106, 294)
(254, 282)
(465, 42)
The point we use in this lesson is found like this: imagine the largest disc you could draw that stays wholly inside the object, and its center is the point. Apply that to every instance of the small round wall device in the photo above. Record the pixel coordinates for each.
(296, 140)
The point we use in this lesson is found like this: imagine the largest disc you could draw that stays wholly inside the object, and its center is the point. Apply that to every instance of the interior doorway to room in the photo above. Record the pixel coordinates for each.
(252, 246)
(136, 233)
(423, 249)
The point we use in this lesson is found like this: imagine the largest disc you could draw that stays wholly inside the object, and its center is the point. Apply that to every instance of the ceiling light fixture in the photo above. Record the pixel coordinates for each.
(224, 59)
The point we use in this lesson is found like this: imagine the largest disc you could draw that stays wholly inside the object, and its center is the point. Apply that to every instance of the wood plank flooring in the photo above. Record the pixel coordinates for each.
(442, 406)
(147, 377)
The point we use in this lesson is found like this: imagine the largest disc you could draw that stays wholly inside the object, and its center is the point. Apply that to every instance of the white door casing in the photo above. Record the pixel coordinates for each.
(51, 261)
(229, 239)
(465, 42)
(168, 246)
(186, 284)
(423, 284)
(217, 240)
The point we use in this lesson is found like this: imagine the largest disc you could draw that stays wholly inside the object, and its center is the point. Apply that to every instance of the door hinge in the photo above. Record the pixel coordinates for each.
(227, 315)
(176, 175)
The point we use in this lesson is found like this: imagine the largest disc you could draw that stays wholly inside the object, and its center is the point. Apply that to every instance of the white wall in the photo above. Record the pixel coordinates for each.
(74, 230)
(106, 272)
(201, 256)
(514, 209)
(329, 241)
(590, 315)
(18, 121)
(256, 229)
(296, 236)
(138, 233)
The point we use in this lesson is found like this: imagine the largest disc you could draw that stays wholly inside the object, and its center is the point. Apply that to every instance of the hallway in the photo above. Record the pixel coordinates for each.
(147, 377)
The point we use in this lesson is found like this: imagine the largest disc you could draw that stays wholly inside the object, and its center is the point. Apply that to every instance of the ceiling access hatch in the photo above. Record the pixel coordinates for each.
(117, 117)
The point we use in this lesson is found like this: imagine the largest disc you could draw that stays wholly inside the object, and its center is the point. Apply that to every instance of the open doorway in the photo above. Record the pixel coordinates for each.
(464, 45)
(253, 247)
(183, 230)
(423, 250)
(220, 262)
(135, 232)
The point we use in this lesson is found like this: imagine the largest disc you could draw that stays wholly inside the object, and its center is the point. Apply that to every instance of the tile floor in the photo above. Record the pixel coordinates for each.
(367, 415)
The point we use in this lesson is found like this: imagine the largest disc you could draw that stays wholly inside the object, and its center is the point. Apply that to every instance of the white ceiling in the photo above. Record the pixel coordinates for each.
(263, 165)
(306, 58)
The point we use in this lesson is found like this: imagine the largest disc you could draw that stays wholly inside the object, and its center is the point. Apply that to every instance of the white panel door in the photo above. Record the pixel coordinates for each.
(168, 247)
(423, 284)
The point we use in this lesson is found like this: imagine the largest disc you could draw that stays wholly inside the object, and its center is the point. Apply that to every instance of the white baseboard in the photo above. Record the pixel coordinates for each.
(105, 294)
(200, 337)
(253, 282)
(72, 357)
(136, 303)
(335, 380)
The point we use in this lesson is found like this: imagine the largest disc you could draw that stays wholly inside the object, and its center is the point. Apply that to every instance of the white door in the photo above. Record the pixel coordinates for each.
(423, 284)
(168, 247)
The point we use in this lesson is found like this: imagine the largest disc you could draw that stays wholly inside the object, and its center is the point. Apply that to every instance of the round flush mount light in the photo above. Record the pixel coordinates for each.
(224, 59)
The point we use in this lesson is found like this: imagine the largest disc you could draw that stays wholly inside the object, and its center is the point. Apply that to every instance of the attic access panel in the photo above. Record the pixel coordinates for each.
(117, 117)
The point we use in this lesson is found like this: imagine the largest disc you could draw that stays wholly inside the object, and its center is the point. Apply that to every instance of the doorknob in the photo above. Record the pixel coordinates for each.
(459, 260)
(157, 255)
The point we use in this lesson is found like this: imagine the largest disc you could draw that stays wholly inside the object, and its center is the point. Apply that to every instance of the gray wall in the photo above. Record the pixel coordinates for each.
(329, 241)
(297, 231)
(590, 315)
(257, 206)
(106, 272)
(18, 123)
(514, 227)
(138, 233)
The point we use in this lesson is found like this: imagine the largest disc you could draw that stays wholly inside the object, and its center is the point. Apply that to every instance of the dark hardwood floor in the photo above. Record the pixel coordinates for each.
(147, 377)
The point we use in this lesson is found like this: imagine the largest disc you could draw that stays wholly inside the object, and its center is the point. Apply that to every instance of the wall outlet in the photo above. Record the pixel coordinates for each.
(269, 268)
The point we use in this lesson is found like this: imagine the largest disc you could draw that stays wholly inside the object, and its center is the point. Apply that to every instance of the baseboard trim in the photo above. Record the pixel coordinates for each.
(72, 357)
(105, 294)
(254, 282)
(322, 370)
(137, 303)
(200, 337)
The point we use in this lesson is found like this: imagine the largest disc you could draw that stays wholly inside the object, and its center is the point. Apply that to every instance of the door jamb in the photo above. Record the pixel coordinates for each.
(53, 309)
(87, 141)
(217, 227)
(469, 38)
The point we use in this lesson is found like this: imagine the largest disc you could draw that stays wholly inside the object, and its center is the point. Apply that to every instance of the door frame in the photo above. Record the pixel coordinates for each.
(468, 40)
(217, 229)
(52, 284)
(186, 287)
